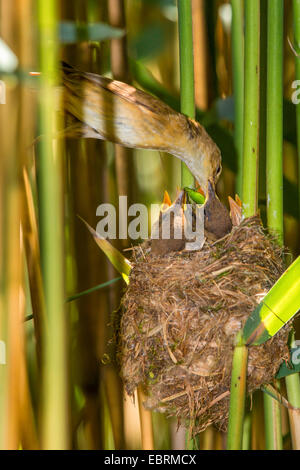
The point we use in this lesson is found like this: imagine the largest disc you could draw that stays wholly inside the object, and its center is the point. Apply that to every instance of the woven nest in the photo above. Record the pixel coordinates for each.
(180, 315)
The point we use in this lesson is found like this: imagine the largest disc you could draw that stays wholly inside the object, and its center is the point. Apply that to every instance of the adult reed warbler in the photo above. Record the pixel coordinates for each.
(100, 108)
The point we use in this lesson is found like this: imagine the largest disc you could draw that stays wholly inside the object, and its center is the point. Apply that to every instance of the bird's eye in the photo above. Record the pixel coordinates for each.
(218, 170)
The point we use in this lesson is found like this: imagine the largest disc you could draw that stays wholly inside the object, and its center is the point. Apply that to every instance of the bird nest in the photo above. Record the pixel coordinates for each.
(180, 315)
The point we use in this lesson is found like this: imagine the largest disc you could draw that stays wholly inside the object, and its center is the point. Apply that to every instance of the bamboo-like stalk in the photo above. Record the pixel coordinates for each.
(125, 184)
(207, 441)
(200, 54)
(11, 277)
(250, 159)
(145, 422)
(187, 90)
(121, 71)
(251, 106)
(275, 118)
(187, 96)
(274, 175)
(86, 167)
(189, 441)
(246, 442)
(272, 423)
(238, 85)
(237, 396)
(257, 430)
(263, 109)
(55, 386)
(28, 431)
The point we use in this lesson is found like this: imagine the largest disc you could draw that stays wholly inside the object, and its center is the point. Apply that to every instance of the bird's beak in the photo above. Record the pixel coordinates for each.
(209, 190)
(211, 193)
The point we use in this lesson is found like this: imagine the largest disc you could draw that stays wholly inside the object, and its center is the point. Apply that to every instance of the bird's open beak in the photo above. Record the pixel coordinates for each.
(179, 200)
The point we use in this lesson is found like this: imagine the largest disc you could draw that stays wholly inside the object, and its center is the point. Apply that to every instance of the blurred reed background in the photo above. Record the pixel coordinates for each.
(60, 387)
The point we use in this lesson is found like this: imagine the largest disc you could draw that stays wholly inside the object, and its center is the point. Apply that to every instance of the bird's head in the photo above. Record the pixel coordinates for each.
(212, 168)
(206, 163)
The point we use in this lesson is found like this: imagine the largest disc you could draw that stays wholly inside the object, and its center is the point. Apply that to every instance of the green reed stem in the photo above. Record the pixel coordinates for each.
(237, 396)
(238, 85)
(250, 167)
(251, 106)
(187, 97)
(274, 174)
(187, 94)
(263, 110)
(246, 442)
(274, 184)
(275, 118)
(55, 403)
(273, 431)
(250, 177)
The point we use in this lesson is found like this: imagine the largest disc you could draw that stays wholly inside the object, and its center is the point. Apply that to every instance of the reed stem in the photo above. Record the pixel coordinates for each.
(238, 85)
(251, 106)
(272, 423)
(145, 423)
(237, 396)
(275, 118)
(247, 428)
(274, 175)
(187, 88)
(262, 198)
(187, 96)
(55, 402)
(250, 167)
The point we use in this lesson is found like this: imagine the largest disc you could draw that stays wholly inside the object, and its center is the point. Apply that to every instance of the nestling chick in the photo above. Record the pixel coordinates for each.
(170, 223)
(217, 222)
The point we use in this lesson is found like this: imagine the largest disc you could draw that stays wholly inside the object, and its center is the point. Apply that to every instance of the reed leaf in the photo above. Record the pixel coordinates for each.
(122, 264)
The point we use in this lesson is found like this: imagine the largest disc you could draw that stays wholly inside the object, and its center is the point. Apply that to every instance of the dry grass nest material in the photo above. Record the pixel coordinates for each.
(180, 315)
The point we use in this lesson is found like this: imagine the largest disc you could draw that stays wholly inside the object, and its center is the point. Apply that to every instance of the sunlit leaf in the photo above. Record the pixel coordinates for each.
(122, 264)
(280, 304)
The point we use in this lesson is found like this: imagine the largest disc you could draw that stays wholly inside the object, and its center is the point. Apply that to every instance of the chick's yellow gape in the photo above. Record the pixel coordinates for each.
(101, 108)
